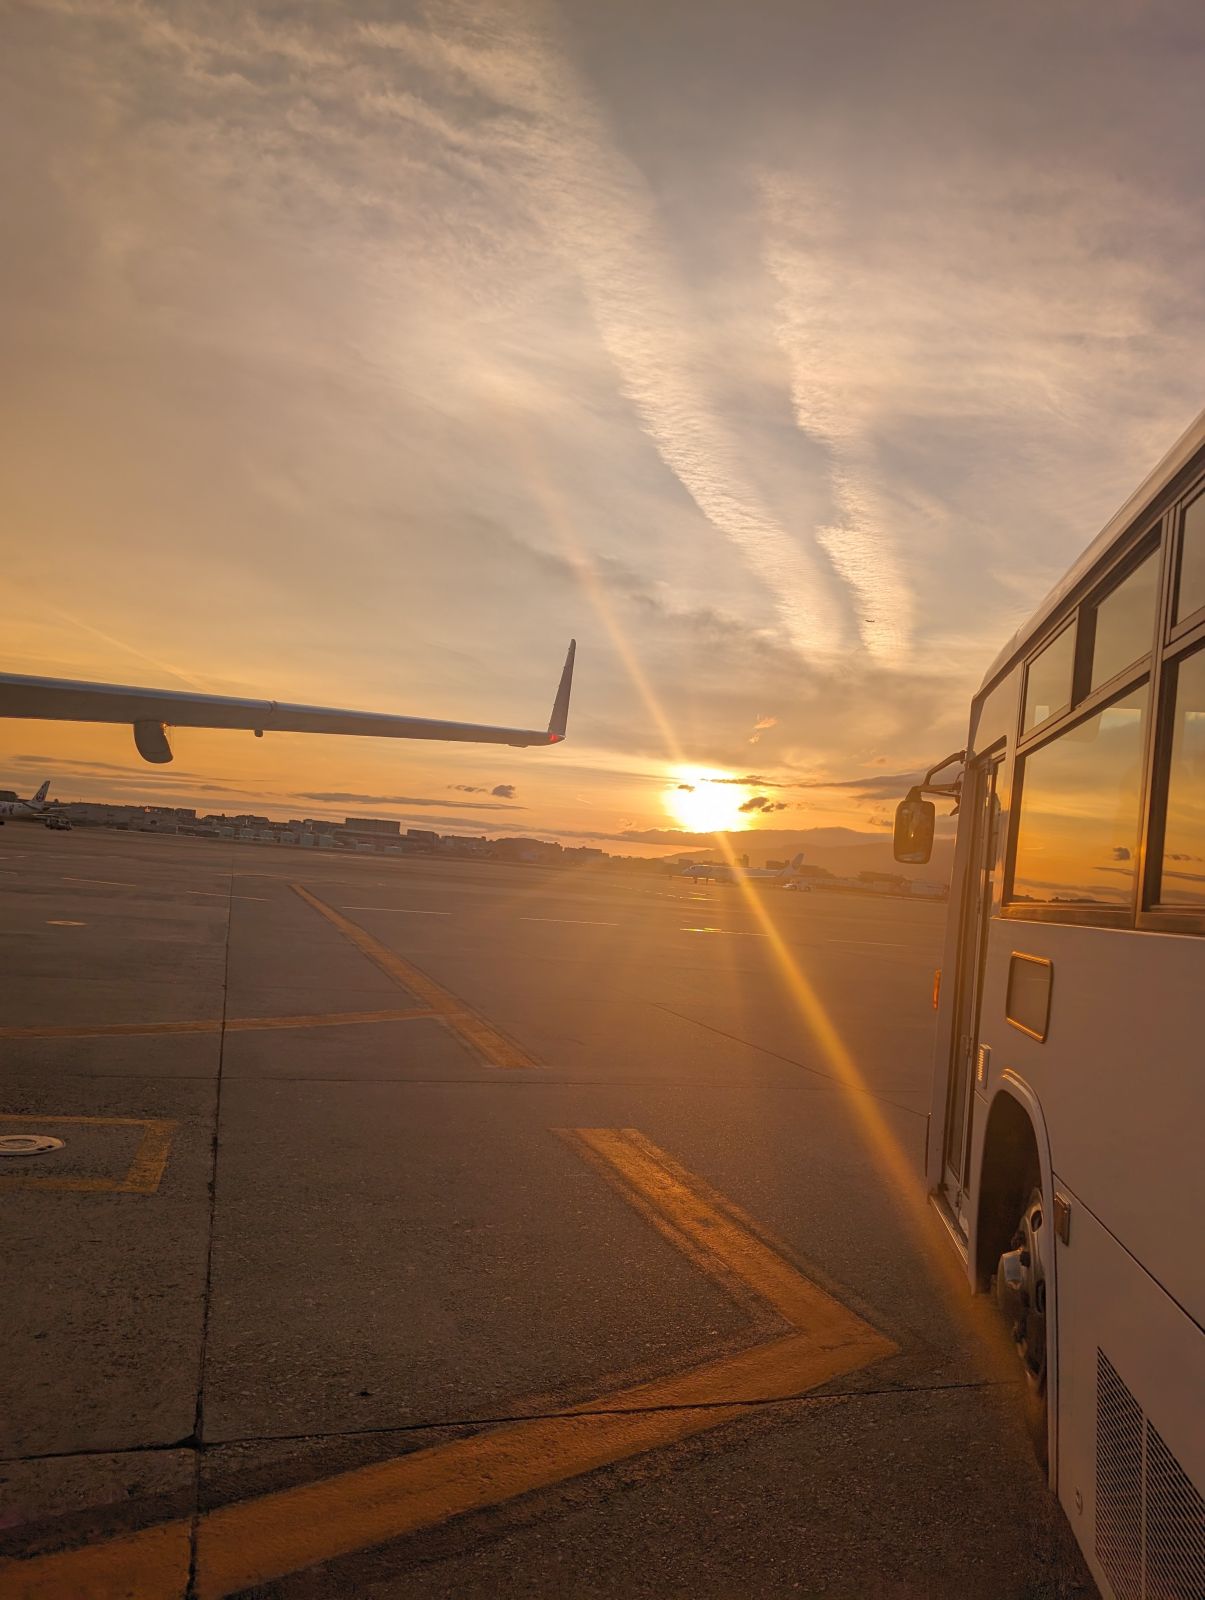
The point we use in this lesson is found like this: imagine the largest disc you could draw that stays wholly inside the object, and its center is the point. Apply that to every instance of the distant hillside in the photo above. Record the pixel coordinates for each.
(842, 851)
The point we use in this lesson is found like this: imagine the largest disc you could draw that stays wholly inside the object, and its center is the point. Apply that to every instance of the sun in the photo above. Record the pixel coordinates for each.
(701, 804)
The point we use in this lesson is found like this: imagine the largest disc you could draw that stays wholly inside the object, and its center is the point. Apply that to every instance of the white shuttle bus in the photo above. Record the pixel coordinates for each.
(1066, 1150)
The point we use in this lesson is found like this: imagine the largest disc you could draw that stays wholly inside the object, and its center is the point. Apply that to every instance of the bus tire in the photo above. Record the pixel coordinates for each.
(1020, 1287)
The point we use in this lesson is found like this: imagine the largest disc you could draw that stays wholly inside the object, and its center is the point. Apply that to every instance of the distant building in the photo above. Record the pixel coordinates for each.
(539, 851)
(378, 825)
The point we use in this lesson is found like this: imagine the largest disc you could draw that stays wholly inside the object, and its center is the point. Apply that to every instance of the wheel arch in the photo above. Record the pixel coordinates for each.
(1015, 1155)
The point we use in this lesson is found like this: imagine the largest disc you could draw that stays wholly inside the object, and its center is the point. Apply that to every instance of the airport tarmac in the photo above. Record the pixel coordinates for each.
(451, 1229)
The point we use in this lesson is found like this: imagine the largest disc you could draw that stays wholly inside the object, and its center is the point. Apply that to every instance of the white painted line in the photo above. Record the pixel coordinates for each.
(110, 883)
(405, 911)
(577, 922)
(221, 894)
(736, 933)
(57, 922)
(874, 944)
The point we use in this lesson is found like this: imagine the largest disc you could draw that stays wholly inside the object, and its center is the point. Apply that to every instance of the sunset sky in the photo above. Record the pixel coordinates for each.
(784, 354)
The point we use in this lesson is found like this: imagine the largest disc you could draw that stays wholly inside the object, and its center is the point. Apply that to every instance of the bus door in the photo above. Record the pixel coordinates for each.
(981, 809)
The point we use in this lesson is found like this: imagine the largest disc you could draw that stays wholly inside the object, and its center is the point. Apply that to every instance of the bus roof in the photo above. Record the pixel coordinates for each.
(1176, 459)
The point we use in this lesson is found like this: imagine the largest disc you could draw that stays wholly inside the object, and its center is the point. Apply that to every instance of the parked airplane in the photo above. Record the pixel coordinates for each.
(787, 877)
(25, 808)
(150, 711)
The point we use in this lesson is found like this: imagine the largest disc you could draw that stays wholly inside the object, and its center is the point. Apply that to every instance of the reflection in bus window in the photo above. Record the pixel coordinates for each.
(1182, 880)
(1048, 681)
(1125, 622)
(995, 717)
(1078, 832)
(1190, 596)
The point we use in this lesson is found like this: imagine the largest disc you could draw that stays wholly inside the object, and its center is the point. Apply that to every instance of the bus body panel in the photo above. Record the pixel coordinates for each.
(1131, 1416)
(1119, 1081)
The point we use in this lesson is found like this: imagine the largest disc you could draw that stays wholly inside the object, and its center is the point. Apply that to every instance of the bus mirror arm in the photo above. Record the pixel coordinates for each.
(953, 790)
(927, 786)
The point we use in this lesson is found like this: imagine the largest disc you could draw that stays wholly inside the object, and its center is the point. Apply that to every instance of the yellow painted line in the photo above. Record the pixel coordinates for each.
(323, 1019)
(494, 1047)
(146, 1169)
(148, 1564)
(713, 1232)
(143, 1176)
(328, 1019)
(260, 1540)
(101, 1030)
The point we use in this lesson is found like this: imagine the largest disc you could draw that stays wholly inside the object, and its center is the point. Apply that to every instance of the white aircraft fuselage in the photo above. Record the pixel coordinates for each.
(35, 807)
(715, 872)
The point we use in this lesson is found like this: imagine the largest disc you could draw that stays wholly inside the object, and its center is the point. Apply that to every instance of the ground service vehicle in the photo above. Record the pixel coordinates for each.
(1065, 1149)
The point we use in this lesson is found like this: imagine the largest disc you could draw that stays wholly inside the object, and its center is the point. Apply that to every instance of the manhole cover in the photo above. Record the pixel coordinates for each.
(28, 1144)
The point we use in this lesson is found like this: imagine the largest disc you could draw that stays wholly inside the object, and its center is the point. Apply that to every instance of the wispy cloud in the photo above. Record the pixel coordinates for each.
(816, 304)
(403, 801)
(599, 214)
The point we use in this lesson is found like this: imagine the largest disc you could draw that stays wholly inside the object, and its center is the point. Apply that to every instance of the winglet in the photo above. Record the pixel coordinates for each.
(560, 706)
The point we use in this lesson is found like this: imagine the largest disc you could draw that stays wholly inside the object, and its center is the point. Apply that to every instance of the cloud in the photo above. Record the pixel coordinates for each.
(1121, 853)
(599, 214)
(759, 727)
(501, 791)
(401, 800)
(762, 803)
(862, 788)
(813, 305)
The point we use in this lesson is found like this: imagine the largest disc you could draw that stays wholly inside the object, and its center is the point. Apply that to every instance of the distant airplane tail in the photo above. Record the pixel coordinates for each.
(39, 799)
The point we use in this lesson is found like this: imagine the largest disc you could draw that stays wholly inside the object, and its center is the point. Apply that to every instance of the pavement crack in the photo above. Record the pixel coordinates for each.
(811, 1397)
(198, 1432)
(829, 1077)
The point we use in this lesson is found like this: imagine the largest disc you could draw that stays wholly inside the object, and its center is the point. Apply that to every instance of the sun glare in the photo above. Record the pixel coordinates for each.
(700, 804)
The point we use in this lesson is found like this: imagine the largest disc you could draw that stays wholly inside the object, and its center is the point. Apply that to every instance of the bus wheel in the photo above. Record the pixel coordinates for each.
(1021, 1296)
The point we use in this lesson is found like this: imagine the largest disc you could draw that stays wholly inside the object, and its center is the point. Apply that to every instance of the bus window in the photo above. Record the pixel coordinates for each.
(1182, 874)
(1048, 681)
(995, 716)
(1125, 622)
(1077, 836)
(1190, 595)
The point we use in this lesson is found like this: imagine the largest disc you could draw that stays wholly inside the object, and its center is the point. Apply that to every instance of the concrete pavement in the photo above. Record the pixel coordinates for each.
(391, 1320)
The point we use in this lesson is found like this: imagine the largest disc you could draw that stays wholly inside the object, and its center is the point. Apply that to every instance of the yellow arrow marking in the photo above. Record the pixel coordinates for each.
(259, 1540)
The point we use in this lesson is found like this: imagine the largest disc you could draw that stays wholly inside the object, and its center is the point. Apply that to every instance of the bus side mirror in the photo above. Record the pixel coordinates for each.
(915, 819)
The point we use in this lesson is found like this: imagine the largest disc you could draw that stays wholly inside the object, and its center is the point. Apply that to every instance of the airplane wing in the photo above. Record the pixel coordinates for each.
(151, 711)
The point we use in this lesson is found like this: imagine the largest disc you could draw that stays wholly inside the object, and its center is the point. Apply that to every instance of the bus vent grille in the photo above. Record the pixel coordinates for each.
(1175, 1527)
(1150, 1517)
(1118, 1482)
